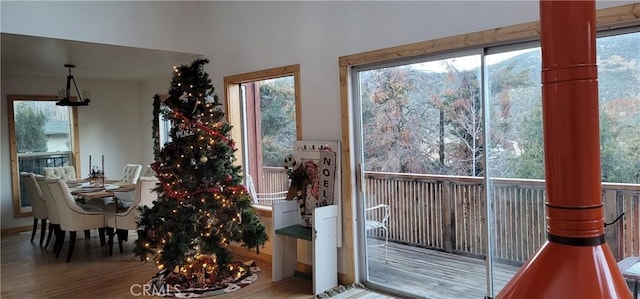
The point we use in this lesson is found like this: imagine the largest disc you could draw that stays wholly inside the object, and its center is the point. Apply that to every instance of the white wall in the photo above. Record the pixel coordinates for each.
(111, 126)
(164, 25)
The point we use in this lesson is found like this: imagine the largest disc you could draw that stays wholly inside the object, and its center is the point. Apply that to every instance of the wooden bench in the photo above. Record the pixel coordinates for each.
(287, 229)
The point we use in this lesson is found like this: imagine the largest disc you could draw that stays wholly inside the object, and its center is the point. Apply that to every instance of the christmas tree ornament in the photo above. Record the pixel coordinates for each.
(184, 97)
(204, 159)
(151, 233)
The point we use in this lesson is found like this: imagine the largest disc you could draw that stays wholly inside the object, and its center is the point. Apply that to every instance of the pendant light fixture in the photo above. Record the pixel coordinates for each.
(64, 98)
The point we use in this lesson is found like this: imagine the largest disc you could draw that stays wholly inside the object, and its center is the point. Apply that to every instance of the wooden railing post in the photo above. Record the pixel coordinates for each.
(449, 225)
(612, 209)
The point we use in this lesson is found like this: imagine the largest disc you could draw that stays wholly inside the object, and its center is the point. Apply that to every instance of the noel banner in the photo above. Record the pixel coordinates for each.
(327, 175)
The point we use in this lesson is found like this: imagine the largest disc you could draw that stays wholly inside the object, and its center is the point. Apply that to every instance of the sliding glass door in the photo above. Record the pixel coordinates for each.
(422, 167)
(515, 162)
(451, 165)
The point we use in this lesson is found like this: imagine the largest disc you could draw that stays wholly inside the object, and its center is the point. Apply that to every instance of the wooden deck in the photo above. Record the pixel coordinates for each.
(433, 274)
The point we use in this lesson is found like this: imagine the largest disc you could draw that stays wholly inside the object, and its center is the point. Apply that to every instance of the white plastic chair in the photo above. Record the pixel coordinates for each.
(265, 199)
(38, 205)
(124, 221)
(378, 219)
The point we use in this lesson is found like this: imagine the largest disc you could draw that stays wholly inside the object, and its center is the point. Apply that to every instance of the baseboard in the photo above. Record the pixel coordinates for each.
(15, 230)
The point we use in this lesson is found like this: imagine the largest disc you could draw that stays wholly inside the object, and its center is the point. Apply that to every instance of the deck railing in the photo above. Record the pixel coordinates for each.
(449, 213)
(35, 162)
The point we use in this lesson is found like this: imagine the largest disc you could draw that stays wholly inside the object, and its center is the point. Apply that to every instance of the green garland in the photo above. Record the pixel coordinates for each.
(155, 127)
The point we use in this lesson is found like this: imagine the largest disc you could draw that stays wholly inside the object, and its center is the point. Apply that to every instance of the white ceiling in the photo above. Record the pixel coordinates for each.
(39, 56)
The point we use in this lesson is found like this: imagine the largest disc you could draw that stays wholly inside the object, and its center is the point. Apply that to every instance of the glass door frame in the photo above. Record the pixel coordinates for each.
(358, 153)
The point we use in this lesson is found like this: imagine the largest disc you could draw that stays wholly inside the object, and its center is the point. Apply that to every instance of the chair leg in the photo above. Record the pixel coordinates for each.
(72, 244)
(122, 234)
(35, 227)
(61, 242)
(51, 229)
(110, 232)
(386, 244)
(57, 233)
(140, 234)
(87, 234)
(43, 230)
(102, 237)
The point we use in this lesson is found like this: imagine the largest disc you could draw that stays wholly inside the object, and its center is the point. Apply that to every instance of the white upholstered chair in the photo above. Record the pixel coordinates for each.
(148, 172)
(66, 173)
(73, 218)
(52, 211)
(377, 217)
(38, 205)
(130, 173)
(124, 221)
(266, 199)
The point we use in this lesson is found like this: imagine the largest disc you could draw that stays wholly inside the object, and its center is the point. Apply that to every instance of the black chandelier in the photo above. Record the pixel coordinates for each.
(63, 94)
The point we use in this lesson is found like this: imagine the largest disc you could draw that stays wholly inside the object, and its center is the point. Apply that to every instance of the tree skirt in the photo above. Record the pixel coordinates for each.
(165, 283)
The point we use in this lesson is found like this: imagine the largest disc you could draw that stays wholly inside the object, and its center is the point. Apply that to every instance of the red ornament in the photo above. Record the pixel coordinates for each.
(151, 234)
(228, 177)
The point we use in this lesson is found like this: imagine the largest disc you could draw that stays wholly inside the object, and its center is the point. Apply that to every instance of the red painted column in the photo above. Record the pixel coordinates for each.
(575, 262)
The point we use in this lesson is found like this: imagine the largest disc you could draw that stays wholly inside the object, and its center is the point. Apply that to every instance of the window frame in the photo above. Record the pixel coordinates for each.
(235, 111)
(18, 210)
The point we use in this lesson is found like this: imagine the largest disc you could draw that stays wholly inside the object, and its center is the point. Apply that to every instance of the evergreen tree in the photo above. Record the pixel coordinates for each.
(278, 120)
(30, 135)
(201, 205)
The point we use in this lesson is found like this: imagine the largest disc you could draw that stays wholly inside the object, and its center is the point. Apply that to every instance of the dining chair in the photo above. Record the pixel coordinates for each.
(148, 172)
(122, 222)
(377, 217)
(67, 173)
(38, 205)
(73, 218)
(131, 173)
(52, 212)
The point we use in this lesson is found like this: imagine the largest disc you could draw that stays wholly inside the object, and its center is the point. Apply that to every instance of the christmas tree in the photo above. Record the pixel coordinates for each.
(201, 205)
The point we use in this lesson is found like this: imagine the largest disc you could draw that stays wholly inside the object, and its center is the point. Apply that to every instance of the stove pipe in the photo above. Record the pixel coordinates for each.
(575, 262)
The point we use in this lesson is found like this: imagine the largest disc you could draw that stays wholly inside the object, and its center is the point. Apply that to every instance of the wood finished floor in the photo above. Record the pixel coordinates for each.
(29, 271)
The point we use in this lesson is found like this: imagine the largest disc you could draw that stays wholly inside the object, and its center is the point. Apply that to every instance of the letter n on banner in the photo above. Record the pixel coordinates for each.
(327, 177)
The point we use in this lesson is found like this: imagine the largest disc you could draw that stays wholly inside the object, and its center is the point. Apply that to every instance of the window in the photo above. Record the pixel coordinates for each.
(41, 135)
(264, 109)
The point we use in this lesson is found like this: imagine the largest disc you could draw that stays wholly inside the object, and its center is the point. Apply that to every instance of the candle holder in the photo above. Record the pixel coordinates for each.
(96, 176)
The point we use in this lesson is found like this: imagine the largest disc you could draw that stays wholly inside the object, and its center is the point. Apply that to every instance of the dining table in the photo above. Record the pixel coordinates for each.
(85, 190)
